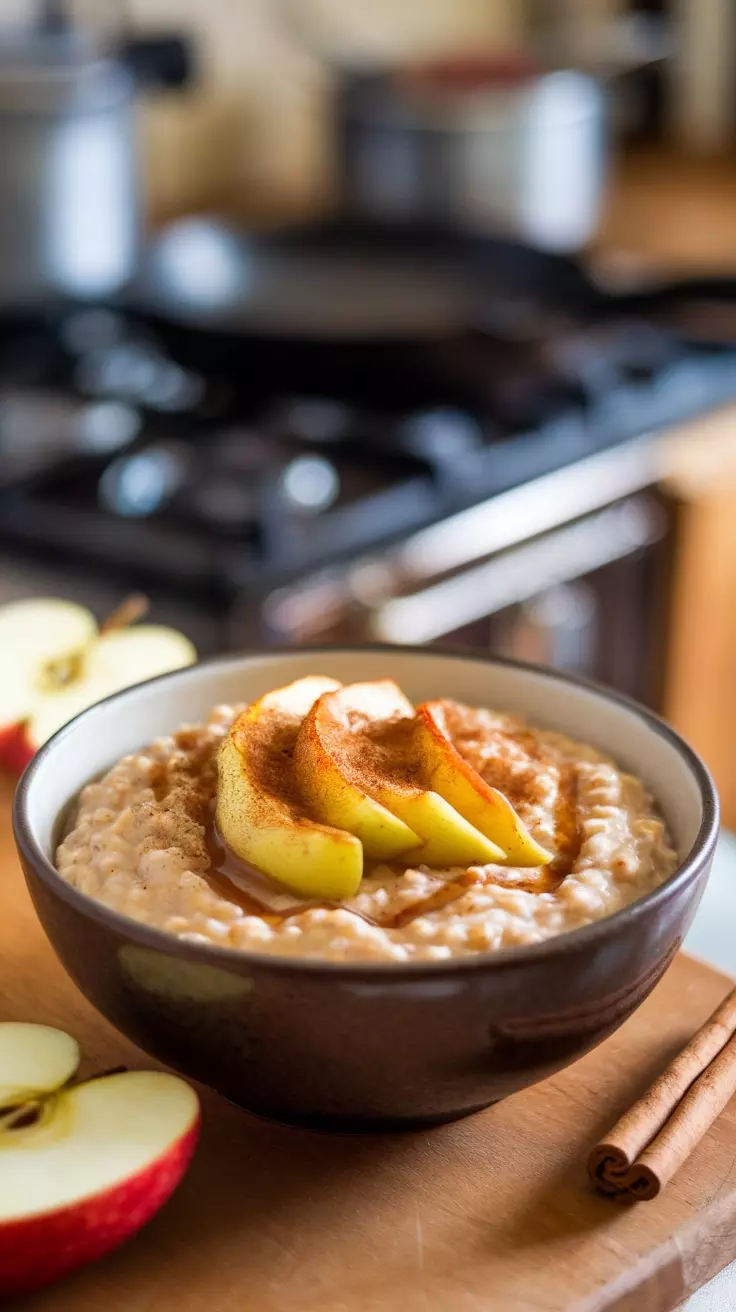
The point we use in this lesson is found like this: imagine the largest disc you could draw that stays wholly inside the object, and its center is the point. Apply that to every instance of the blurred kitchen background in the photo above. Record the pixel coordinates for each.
(407, 322)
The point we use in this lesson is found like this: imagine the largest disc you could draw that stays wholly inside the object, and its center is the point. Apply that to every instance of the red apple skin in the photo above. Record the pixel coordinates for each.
(16, 749)
(38, 1250)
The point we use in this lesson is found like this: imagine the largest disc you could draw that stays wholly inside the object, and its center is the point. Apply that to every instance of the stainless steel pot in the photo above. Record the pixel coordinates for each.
(69, 218)
(521, 156)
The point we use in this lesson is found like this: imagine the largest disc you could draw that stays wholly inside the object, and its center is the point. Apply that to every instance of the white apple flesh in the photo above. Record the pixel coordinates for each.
(113, 661)
(82, 1166)
(34, 1060)
(54, 664)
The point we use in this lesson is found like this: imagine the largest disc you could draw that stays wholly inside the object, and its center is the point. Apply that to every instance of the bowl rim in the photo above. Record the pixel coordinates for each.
(565, 943)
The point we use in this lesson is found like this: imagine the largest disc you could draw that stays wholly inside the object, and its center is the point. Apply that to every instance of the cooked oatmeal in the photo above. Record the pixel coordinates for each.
(142, 842)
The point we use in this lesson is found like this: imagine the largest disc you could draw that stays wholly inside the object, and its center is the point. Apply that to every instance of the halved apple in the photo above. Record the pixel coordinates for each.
(113, 661)
(33, 634)
(260, 813)
(82, 1166)
(366, 741)
(460, 784)
(55, 663)
(334, 797)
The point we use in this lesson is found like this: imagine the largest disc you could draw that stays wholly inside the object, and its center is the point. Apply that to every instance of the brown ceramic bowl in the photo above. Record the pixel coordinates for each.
(382, 1045)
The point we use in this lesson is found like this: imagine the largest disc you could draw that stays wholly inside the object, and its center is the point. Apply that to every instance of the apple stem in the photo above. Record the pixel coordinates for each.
(65, 669)
(130, 610)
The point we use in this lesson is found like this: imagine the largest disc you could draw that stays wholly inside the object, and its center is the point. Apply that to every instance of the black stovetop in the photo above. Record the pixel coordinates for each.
(202, 458)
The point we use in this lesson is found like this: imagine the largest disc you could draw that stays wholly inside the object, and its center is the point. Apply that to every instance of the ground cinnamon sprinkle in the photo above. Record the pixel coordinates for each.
(512, 760)
(271, 739)
(507, 759)
(373, 752)
(161, 802)
(189, 776)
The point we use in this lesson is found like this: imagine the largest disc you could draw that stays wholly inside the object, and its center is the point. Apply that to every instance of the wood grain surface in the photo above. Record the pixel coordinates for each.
(492, 1214)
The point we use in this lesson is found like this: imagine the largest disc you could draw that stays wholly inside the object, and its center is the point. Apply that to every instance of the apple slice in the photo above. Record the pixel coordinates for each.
(334, 798)
(460, 784)
(54, 663)
(260, 813)
(367, 732)
(82, 1167)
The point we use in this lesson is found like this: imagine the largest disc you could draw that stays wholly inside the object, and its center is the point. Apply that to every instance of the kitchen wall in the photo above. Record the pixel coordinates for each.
(255, 126)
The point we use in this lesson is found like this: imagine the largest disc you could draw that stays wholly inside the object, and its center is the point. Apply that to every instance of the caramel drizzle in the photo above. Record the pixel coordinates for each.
(221, 882)
(197, 776)
(450, 892)
(546, 879)
(567, 826)
(542, 879)
(440, 897)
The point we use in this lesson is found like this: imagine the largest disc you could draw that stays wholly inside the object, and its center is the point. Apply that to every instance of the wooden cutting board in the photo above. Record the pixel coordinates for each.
(492, 1214)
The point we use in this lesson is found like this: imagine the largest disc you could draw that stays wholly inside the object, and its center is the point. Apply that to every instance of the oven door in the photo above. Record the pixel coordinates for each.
(587, 597)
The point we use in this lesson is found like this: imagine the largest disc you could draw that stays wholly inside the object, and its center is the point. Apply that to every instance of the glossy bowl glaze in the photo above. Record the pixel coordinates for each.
(345, 1046)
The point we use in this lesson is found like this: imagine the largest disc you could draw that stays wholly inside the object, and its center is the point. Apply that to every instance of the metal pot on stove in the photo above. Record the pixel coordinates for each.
(69, 219)
(482, 142)
(70, 214)
(478, 145)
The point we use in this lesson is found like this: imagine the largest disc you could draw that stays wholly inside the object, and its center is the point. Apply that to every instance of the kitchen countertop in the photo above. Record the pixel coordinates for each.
(667, 213)
(710, 938)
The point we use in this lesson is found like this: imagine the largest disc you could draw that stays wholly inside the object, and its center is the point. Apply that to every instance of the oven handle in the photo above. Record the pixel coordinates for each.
(515, 576)
(503, 523)
(545, 503)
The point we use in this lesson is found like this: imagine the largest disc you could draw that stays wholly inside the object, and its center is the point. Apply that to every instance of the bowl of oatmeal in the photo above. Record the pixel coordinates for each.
(369, 887)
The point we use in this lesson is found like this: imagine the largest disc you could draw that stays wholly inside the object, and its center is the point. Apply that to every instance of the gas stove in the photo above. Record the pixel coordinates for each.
(218, 469)
(120, 451)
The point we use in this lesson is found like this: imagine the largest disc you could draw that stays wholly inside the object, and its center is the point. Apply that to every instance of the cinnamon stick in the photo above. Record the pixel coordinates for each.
(652, 1139)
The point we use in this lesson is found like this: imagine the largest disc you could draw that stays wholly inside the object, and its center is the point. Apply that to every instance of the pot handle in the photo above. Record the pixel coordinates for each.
(165, 62)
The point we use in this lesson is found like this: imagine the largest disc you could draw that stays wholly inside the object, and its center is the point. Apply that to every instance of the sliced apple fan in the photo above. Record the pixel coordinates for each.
(378, 777)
